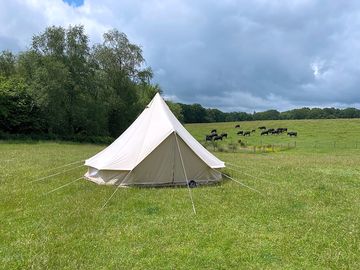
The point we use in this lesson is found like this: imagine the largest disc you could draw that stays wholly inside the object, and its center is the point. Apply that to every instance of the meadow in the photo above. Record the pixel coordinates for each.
(306, 217)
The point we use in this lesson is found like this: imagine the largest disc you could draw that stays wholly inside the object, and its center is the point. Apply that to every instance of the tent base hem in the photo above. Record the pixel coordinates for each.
(152, 184)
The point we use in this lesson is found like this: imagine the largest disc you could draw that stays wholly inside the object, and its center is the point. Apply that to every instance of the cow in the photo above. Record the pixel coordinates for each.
(237, 126)
(262, 127)
(281, 130)
(216, 138)
(276, 132)
(292, 133)
(241, 132)
(223, 135)
(246, 133)
(214, 131)
(208, 138)
(270, 130)
(265, 132)
(253, 130)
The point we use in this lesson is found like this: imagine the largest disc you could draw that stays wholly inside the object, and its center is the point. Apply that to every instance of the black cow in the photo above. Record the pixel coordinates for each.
(208, 138)
(216, 138)
(223, 135)
(213, 131)
(237, 126)
(246, 133)
(281, 130)
(292, 133)
(265, 132)
(262, 127)
(270, 130)
(253, 130)
(240, 132)
(276, 132)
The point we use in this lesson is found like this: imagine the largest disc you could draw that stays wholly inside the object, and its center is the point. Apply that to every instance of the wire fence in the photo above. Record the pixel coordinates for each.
(330, 145)
(244, 148)
(261, 147)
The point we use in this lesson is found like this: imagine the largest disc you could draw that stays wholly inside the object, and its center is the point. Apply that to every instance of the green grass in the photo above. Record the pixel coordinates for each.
(312, 134)
(308, 217)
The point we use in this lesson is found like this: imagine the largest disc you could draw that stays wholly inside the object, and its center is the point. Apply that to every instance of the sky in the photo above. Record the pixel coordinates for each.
(232, 55)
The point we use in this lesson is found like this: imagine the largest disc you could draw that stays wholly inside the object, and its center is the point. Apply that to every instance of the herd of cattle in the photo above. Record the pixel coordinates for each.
(214, 136)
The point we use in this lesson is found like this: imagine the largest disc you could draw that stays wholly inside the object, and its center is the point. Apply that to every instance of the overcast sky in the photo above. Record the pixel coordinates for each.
(230, 55)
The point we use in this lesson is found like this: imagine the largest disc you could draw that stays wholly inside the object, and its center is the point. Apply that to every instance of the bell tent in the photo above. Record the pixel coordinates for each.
(155, 150)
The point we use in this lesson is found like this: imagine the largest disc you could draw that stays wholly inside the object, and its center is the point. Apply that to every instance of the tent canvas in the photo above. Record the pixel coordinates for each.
(155, 150)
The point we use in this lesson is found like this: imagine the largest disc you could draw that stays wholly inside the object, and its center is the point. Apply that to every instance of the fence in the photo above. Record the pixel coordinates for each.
(241, 147)
(276, 147)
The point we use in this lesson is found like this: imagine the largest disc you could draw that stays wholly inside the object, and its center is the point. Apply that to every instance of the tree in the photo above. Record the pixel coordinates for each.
(194, 113)
(7, 63)
(176, 110)
(18, 111)
(126, 81)
(78, 89)
(350, 113)
(267, 115)
(214, 115)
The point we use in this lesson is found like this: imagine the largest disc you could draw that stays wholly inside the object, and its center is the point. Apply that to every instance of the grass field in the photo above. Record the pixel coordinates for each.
(308, 216)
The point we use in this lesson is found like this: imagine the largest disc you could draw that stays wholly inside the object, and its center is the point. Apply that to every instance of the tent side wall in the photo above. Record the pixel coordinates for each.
(163, 166)
(105, 177)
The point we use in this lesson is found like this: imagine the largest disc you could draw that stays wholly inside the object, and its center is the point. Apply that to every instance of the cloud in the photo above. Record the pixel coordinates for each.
(232, 55)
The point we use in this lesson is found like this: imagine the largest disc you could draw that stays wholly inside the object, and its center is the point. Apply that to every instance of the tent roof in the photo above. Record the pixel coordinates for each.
(149, 130)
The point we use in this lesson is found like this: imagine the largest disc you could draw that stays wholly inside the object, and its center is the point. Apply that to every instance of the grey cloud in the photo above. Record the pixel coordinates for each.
(233, 55)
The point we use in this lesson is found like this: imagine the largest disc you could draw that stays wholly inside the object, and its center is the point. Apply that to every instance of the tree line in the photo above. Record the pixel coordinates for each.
(63, 86)
(195, 113)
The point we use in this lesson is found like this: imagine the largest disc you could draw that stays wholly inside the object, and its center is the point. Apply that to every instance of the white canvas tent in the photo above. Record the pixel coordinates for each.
(155, 150)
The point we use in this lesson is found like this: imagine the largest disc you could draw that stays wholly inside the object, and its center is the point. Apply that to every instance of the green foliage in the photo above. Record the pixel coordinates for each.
(197, 114)
(215, 115)
(176, 110)
(18, 111)
(75, 89)
(270, 114)
(194, 113)
(7, 63)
